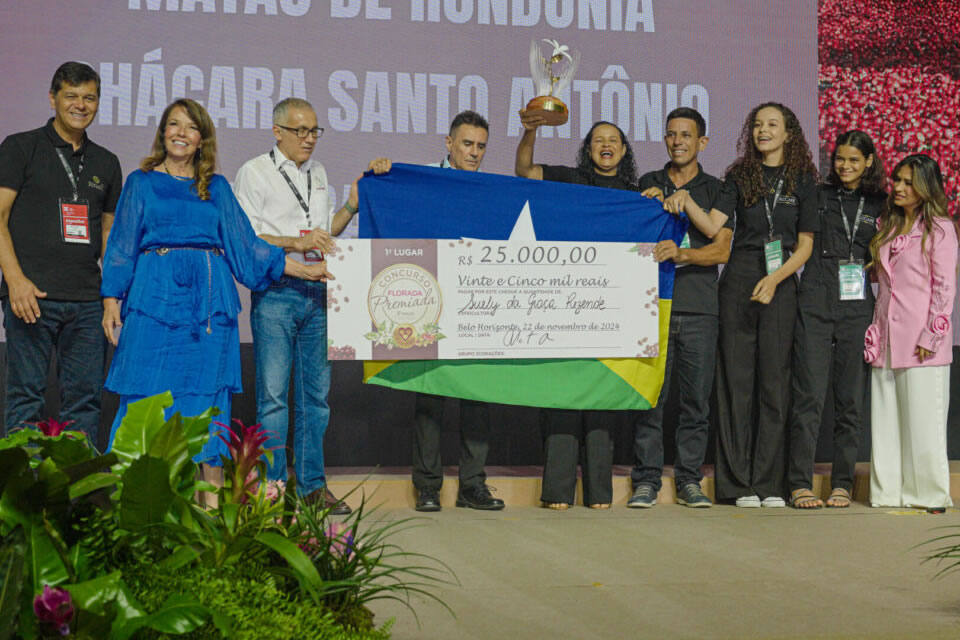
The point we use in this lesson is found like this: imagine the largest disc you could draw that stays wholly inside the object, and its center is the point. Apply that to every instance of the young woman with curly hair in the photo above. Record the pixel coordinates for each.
(914, 256)
(771, 192)
(835, 308)
(178, 241)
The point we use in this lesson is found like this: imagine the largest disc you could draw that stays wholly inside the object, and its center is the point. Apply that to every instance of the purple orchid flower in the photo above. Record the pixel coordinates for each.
(55, 607)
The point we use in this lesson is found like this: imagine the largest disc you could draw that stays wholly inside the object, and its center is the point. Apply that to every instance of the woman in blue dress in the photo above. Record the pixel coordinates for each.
(178, 241)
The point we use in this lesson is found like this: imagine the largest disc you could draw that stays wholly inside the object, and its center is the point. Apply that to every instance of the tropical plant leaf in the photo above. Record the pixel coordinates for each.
(231, 513)
(19, 438)
(139, 427)
(300, 564)
(89, 626)
(13, 559)
(196, 430)
(94, 465)
(180, 558)
(171, 446)
(94, 595)
(223, 623)
(180, 613)
(127, 607)
(27, 624)
(92, 483)
(17, 505)
(147, 496)
(203, 485)
(43, 561)
(55, 483)
(66, 449)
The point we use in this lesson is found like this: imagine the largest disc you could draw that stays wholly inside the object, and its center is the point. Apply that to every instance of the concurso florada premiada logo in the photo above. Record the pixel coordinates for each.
(405, 302)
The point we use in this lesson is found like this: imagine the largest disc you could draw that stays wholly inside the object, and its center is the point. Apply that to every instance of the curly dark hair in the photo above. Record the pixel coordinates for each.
(874, 179)
(626, 170)
(797, 159)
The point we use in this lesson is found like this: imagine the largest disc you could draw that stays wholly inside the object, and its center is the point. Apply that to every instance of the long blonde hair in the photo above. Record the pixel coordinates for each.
(204, 161)
(928, 185)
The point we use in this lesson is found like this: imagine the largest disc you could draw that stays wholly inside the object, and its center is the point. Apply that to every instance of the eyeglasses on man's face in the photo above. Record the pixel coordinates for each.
(303, 132)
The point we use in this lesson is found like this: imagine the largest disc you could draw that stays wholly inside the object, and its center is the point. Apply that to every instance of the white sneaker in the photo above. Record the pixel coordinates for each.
(751, 502)
(773, 502)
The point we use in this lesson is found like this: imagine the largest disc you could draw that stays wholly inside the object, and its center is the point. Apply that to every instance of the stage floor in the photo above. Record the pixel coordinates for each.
(675, 572)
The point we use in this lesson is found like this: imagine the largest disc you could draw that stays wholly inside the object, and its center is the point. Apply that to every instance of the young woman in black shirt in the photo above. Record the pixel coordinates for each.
(771, 191)
(835, 309)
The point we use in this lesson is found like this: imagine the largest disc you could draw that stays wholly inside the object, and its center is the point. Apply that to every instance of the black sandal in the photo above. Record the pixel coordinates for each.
(805, 499)
(840, 495)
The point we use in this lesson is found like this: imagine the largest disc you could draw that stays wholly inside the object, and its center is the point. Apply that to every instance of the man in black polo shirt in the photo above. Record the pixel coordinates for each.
(58, 191)
(692, 347)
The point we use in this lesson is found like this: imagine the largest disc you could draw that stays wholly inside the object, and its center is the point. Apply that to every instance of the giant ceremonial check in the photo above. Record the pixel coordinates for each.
(468, 298)
(417, 203)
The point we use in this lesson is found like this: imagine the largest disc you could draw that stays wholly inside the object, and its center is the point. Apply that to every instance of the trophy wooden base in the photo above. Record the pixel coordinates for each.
(553, 110)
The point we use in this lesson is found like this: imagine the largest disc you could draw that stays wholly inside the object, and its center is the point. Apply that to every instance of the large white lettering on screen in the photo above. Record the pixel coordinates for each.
(638, 108)
(247, 104)
(596, 15)
(402, 102)
(295, 8)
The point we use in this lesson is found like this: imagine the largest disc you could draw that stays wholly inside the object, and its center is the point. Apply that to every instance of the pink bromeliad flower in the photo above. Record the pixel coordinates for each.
(52, 427)
(246, 447)
(55, 607)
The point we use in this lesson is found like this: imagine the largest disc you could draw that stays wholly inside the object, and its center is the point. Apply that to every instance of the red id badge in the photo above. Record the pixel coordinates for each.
(312, 255)
(75, 221)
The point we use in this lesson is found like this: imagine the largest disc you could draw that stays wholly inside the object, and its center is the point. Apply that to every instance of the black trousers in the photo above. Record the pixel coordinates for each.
(474, 441)
(563, 431)
(691, 360)
(753, 381)
(829, 338)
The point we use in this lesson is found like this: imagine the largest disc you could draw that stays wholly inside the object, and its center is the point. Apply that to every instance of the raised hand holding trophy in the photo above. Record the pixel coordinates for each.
(551, 77)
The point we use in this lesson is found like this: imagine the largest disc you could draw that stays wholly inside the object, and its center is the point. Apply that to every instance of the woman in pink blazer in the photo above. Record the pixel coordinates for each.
(914, 254)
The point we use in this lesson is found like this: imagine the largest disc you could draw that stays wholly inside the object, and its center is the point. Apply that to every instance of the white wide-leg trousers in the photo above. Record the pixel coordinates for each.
(908, 457)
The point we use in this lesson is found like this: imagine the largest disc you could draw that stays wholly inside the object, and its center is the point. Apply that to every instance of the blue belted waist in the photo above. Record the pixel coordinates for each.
(208, 251)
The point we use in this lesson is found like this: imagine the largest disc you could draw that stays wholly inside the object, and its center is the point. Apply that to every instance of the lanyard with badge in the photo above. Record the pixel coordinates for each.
(851, 273)
(685, 243)
(773, 247)
(75, 211)
(311, 255)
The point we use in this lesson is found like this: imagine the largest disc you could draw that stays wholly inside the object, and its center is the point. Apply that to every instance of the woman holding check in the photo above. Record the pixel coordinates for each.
(178, 241)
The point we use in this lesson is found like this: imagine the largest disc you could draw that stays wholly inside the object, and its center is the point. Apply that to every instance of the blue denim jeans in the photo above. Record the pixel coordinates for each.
(73, 329)
(691, 359)
(289, 323)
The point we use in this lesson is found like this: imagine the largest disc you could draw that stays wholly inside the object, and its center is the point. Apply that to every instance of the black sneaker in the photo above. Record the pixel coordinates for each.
(692, 495)
(644, 496)
(428, 499)
(478, 497)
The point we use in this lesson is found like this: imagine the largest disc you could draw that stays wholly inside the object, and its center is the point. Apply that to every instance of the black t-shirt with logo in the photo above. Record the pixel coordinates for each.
(30, 165)
(694, 286)
(794, 212)
(832, 244)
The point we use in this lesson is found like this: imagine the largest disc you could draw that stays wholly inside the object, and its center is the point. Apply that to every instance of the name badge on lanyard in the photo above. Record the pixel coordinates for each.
(852, 277)
(773, 247)
(311, 255)
(852, 280)
(74, 211)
